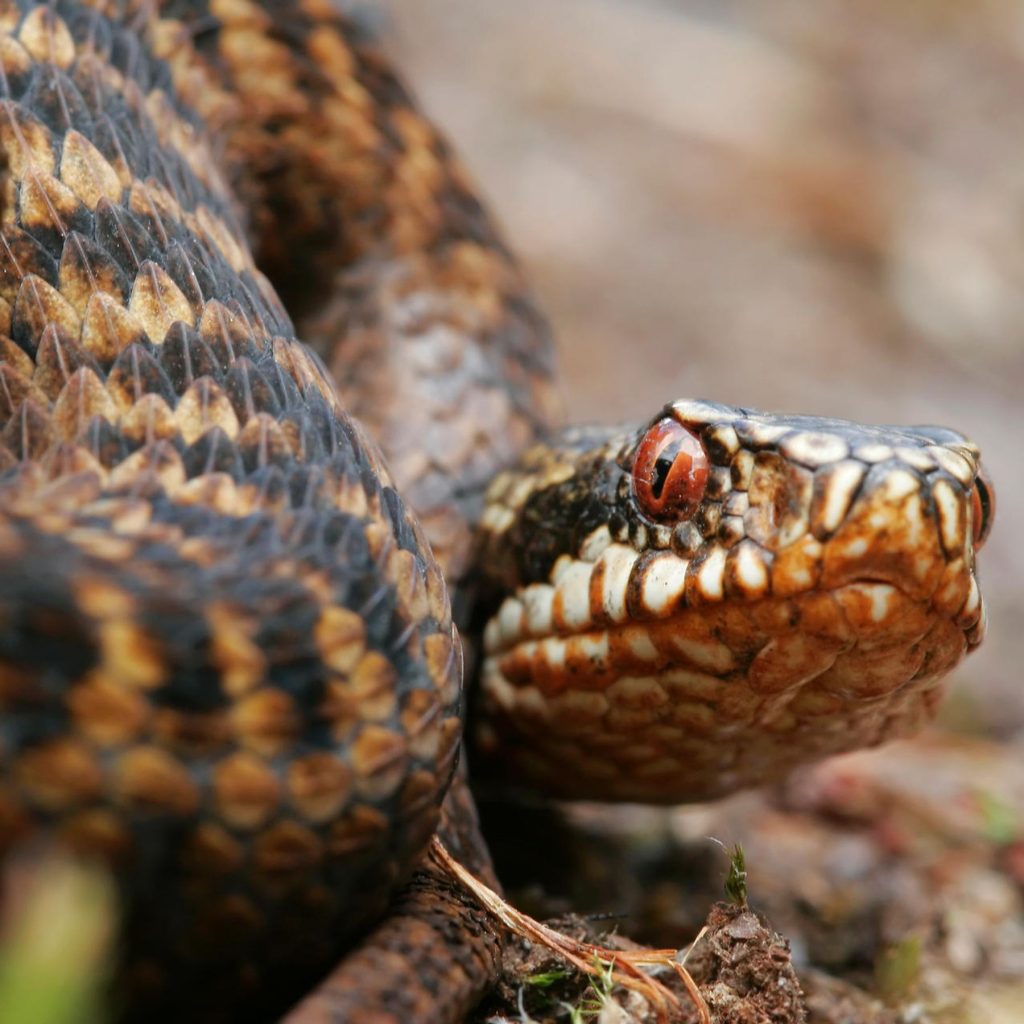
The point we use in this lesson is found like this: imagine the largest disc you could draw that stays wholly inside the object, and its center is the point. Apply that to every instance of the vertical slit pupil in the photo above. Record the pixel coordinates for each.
(670, 471)
(662, 467)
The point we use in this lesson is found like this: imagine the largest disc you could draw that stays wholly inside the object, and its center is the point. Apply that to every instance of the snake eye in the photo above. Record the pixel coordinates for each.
(670, 471)
(983, 507)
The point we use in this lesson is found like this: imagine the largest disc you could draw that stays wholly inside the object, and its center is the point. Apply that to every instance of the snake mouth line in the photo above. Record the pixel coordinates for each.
(707, 699)
(612, 586)
(724, 639)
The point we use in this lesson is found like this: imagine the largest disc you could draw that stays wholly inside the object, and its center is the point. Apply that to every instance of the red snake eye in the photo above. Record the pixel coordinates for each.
(983, 508)
(670, 471)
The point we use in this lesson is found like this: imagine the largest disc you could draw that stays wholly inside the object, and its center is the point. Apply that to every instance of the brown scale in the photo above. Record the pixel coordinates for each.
(427, 326)
(227, 661)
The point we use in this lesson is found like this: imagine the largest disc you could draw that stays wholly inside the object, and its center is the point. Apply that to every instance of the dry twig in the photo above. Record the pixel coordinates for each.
(586, 957)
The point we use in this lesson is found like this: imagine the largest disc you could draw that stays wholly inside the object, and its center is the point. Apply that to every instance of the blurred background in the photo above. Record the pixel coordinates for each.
(805, 207)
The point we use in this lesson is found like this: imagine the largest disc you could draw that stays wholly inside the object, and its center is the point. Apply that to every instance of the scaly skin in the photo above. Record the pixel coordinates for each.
(228, 666)
(811, 602)
(227, 660)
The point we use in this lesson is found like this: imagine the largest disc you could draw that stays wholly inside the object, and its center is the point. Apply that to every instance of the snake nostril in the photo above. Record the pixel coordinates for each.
(983, 507)
(670, 471)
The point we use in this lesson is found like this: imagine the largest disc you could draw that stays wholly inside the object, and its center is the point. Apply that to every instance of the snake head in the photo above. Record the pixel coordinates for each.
(710, 600)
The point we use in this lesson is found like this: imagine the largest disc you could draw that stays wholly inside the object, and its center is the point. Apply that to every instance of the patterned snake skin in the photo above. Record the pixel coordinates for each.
(228, 664)
(227, 661)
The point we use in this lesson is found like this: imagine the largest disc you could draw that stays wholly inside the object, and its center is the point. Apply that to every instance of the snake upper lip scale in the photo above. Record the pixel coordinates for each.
(229, 666)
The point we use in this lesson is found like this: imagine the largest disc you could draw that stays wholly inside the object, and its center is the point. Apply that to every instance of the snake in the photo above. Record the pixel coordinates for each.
(279, 423)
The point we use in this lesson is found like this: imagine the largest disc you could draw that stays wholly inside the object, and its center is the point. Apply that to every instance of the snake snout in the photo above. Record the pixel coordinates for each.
(904, 527)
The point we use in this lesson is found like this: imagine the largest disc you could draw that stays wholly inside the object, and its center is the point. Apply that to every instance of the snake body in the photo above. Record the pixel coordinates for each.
(228, 662)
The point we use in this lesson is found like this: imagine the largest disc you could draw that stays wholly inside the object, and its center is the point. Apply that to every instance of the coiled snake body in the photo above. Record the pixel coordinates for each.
(228, 665)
